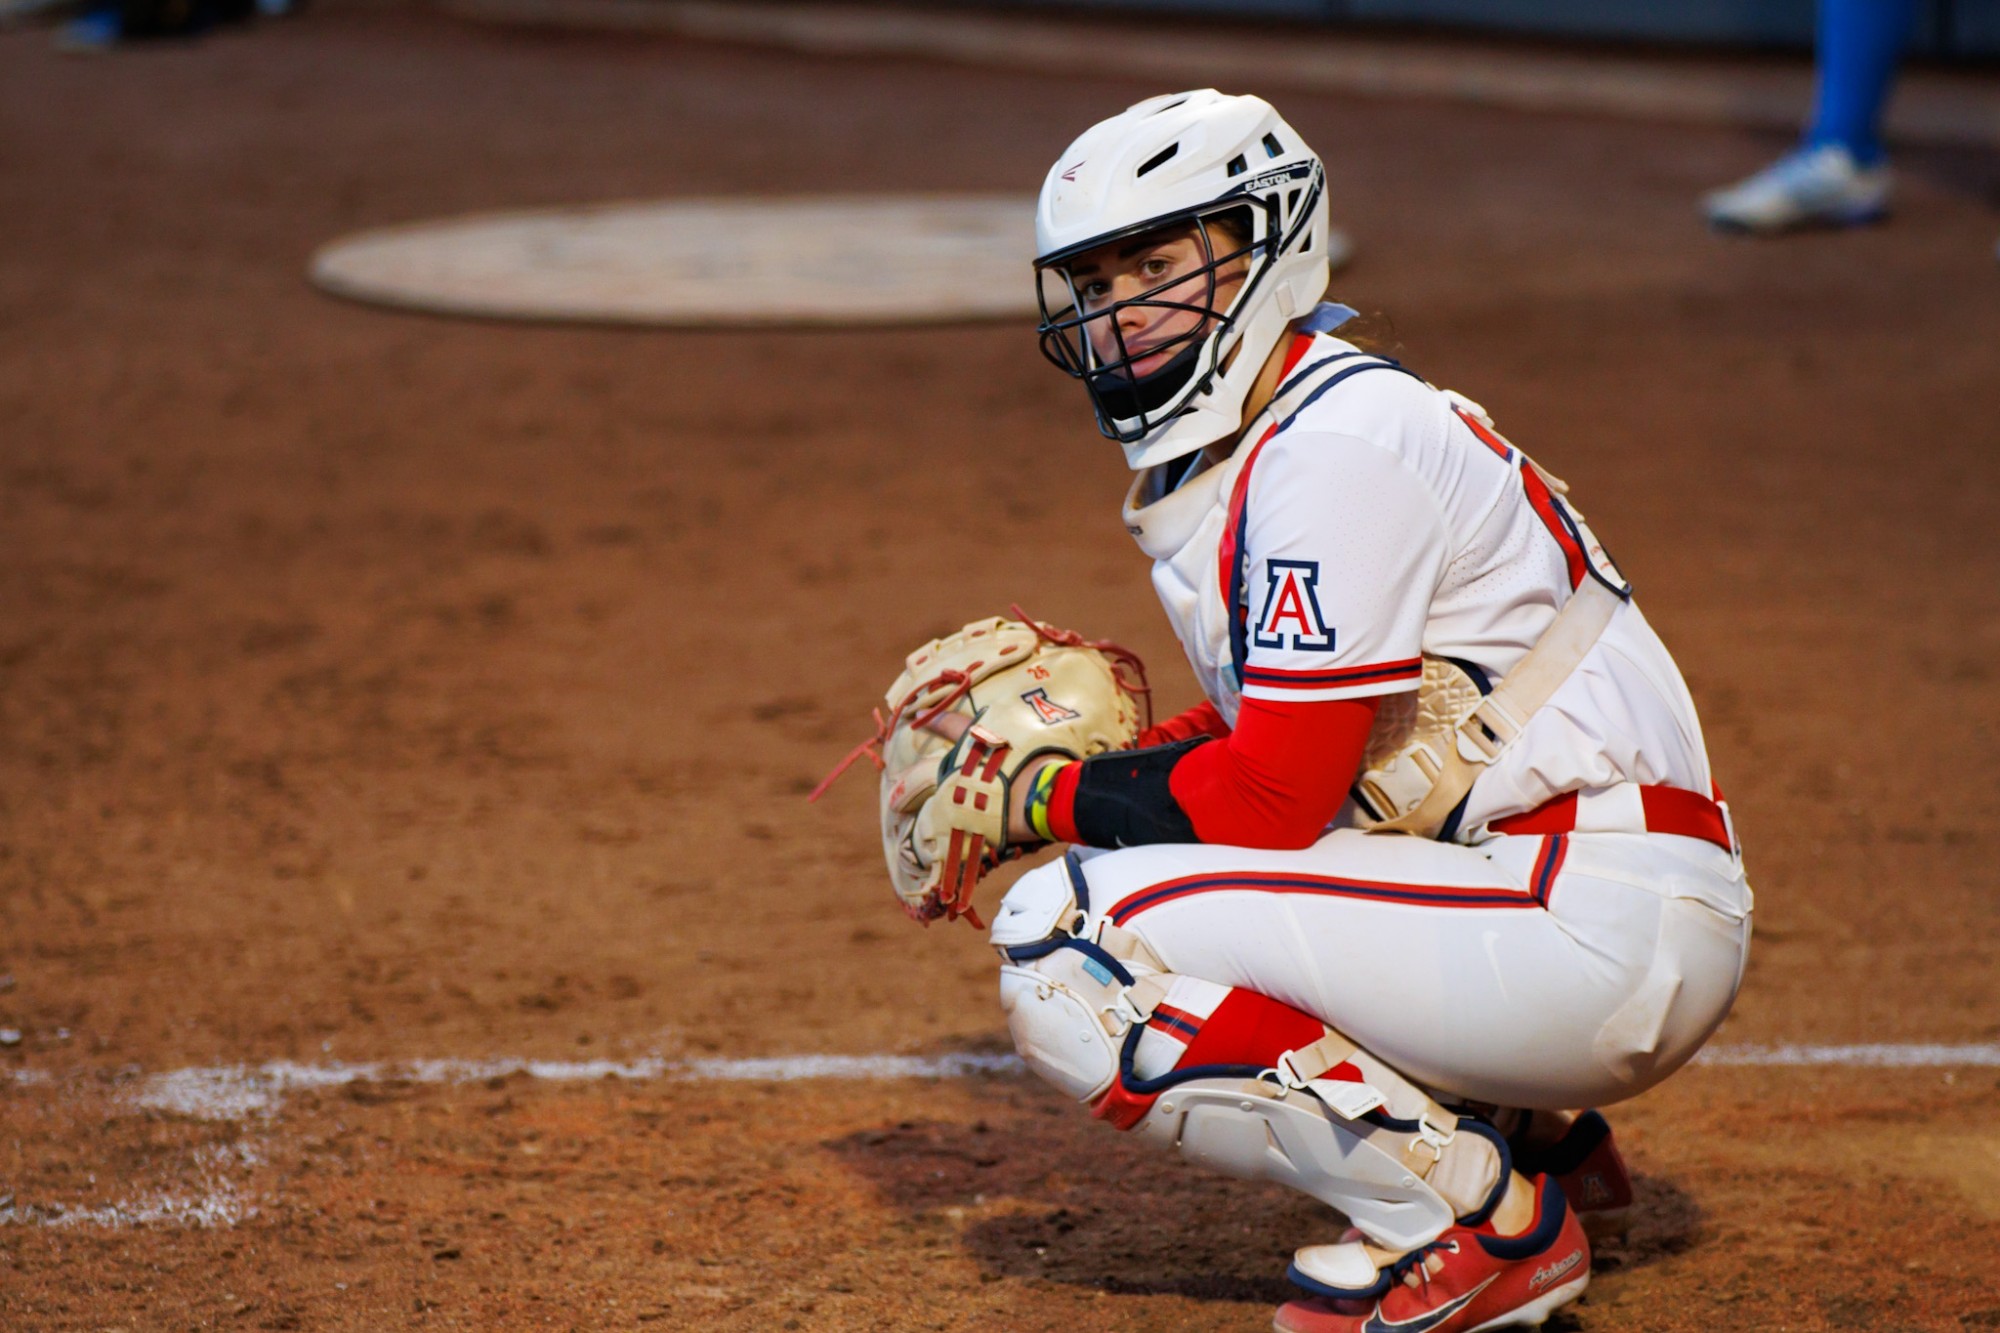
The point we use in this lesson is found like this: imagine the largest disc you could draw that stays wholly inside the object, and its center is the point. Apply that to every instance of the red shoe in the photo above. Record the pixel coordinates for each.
(1484, 1280)
(1585, 1162)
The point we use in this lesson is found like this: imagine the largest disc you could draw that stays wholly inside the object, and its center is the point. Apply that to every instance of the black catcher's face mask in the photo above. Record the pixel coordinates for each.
(1139, 354)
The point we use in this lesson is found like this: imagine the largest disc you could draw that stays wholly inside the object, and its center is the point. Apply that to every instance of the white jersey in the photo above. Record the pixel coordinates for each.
(1367, 519)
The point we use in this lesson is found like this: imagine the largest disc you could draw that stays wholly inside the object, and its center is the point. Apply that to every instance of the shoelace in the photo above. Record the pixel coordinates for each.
(1400, 1269)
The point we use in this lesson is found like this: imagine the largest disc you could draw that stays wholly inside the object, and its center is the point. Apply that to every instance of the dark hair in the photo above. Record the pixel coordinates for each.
(1232, 226)
(1371, 331)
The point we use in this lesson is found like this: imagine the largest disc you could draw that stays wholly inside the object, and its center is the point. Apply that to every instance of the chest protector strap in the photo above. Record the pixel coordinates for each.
(1502, 715)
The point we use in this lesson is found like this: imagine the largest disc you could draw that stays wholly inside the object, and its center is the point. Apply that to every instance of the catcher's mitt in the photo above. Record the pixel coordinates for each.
(1029, 690)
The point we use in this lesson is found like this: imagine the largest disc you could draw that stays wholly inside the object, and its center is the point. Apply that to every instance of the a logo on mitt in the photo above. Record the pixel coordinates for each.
(1047, 709)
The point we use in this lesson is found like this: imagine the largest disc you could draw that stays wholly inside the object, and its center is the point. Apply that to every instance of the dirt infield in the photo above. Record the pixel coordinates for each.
(377, 688)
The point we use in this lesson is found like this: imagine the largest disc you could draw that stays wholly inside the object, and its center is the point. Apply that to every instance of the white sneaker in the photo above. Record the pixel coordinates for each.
(1814, 186)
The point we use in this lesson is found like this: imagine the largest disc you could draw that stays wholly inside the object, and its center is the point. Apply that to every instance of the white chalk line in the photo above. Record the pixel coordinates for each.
(217, 1199)
(253, 1096)
(1873, 1055)
(234, 1092)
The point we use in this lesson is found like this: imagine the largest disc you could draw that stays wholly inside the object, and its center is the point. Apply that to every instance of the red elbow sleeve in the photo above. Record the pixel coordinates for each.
(1280, 777)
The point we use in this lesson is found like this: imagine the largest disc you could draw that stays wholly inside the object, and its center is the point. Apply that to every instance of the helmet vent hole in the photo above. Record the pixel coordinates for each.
(1237, 166)
(1306, 244)
(1158, 159)
(1291, 203)
(1272, 148)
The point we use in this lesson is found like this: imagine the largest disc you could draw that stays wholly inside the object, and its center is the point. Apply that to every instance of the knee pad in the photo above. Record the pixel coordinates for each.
(1070, 1002)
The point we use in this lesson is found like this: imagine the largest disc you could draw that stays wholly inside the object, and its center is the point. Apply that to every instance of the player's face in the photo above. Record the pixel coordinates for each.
(1168, 268)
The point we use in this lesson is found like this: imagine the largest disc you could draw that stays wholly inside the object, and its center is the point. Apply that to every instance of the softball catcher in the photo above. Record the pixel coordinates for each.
(1439, 857)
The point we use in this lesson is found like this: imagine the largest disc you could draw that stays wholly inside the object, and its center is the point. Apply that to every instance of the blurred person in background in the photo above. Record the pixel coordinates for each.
(1838, 176)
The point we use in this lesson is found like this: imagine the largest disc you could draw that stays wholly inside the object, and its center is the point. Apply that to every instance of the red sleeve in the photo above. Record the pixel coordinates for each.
(1273, 782)
(1280, 777)
(1201, 720)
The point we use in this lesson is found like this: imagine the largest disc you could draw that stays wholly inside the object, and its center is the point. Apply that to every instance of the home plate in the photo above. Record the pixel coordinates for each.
(838, 260)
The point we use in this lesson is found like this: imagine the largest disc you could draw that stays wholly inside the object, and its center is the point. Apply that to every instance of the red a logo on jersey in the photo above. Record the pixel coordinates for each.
(1292, 616)
(1047, 709)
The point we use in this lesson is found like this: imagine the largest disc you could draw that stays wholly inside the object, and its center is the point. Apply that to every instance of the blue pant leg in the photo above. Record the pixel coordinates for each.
(1860, 44)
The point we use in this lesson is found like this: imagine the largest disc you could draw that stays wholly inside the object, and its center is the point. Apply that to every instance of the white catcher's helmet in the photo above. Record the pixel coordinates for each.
(1186, 158)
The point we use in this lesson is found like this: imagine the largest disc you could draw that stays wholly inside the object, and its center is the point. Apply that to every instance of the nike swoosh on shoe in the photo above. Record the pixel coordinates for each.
(1424, 1322)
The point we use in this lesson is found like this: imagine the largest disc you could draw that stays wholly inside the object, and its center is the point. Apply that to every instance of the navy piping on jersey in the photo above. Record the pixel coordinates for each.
(1339, 676)
(1237, 614)
(1622, 591)
(1380, 363)
(1298, 376)
(1239, 629)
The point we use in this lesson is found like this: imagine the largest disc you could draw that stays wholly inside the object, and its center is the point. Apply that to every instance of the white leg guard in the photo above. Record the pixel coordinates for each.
(1367, 1142)
(1259, 1131)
